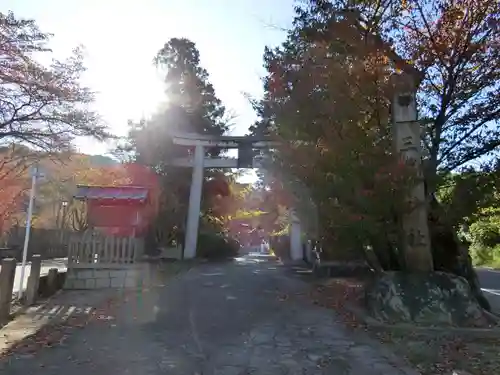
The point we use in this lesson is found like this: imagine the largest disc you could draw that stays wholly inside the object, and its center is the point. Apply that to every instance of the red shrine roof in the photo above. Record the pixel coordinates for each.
(127, 193)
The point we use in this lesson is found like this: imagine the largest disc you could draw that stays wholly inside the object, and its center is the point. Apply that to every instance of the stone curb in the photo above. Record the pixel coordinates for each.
(493, 332)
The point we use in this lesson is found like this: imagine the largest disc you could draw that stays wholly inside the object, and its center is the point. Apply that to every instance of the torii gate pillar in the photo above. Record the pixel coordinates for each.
(193, 218)
(296, 252)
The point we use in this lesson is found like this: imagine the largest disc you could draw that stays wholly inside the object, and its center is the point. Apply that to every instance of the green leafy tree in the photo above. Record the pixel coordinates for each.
(468, 196)
(191, 106)
(470, 201)
(187, 86)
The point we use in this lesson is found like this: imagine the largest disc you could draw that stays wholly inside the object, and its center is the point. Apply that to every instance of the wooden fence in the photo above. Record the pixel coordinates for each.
(96, 250)
(49, 243)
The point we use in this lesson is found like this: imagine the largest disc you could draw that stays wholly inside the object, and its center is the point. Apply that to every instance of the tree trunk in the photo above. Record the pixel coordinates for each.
(386, 253)
(449, 254)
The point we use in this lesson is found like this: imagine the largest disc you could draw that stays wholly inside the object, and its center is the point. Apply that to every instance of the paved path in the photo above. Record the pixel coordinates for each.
(243, 317)
(490, 283)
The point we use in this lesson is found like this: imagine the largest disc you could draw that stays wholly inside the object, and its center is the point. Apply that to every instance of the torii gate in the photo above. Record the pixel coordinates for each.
(245, 146)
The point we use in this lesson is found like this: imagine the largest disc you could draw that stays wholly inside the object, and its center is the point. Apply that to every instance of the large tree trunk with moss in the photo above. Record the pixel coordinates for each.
(449, 254)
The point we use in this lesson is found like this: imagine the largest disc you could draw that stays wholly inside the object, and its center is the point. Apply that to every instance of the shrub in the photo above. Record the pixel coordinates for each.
(485, 233)
(485, 256)
(213, 245)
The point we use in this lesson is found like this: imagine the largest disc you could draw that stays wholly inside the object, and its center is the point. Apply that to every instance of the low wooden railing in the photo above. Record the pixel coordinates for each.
(95, 250)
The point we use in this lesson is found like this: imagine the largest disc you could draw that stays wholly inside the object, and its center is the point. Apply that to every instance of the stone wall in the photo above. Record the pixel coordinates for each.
(171, 253)
(132, 276)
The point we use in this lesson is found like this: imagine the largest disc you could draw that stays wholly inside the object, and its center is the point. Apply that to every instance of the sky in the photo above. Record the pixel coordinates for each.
(122, 37)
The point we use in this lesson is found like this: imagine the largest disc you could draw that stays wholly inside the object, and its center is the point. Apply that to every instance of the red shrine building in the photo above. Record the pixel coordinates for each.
(117, 210)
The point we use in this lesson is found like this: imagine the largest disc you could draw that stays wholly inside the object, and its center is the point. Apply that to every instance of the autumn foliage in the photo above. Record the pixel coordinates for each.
(327, 99)
(42, 106)
(338, 104)
(12, 190)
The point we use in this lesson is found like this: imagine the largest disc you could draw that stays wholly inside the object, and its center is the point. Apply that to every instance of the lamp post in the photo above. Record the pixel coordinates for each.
(64, 205)
(35, 175)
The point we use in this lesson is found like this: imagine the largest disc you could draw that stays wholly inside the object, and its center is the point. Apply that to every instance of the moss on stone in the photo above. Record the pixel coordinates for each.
(423, 298)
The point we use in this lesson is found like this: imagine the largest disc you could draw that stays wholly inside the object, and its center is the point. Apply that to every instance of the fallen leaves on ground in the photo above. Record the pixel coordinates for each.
(337, 294)
(430, 355)
(57, 331)
(442, 355)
